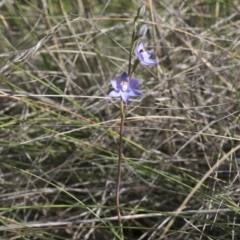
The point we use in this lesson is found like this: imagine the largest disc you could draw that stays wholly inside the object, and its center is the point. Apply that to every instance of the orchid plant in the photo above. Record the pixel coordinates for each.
(125, 87)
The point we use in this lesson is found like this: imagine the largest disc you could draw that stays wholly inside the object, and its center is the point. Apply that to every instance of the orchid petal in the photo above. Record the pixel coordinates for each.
(133, 83)
(140, 57)
(140, 46)
(145, 55)
(114, 93)
(114, 84)
(125, 96)
(124, 76)
(149, 62)
(135, 93)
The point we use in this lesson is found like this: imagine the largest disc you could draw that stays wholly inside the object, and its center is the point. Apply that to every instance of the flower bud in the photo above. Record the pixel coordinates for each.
(141, 11)
(141, 31)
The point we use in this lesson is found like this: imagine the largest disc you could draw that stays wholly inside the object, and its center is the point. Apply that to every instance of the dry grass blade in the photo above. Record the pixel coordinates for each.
(59, 130)
(197, 186)
(26, 55)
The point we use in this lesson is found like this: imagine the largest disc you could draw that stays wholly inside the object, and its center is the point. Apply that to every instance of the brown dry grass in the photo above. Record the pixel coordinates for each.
(59, 130)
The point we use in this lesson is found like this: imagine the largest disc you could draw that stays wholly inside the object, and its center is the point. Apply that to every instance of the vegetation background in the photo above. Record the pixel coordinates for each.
(59, 130)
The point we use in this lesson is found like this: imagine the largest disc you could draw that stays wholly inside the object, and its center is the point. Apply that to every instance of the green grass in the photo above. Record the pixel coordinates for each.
(59, 130)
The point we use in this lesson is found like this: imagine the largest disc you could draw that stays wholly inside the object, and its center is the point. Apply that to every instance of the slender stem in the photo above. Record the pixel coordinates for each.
(123, 109)
(123, 113)
(130, 59)
(130, 52)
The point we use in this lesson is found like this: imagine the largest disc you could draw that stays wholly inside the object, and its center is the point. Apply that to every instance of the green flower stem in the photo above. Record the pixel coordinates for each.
(131, 48)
